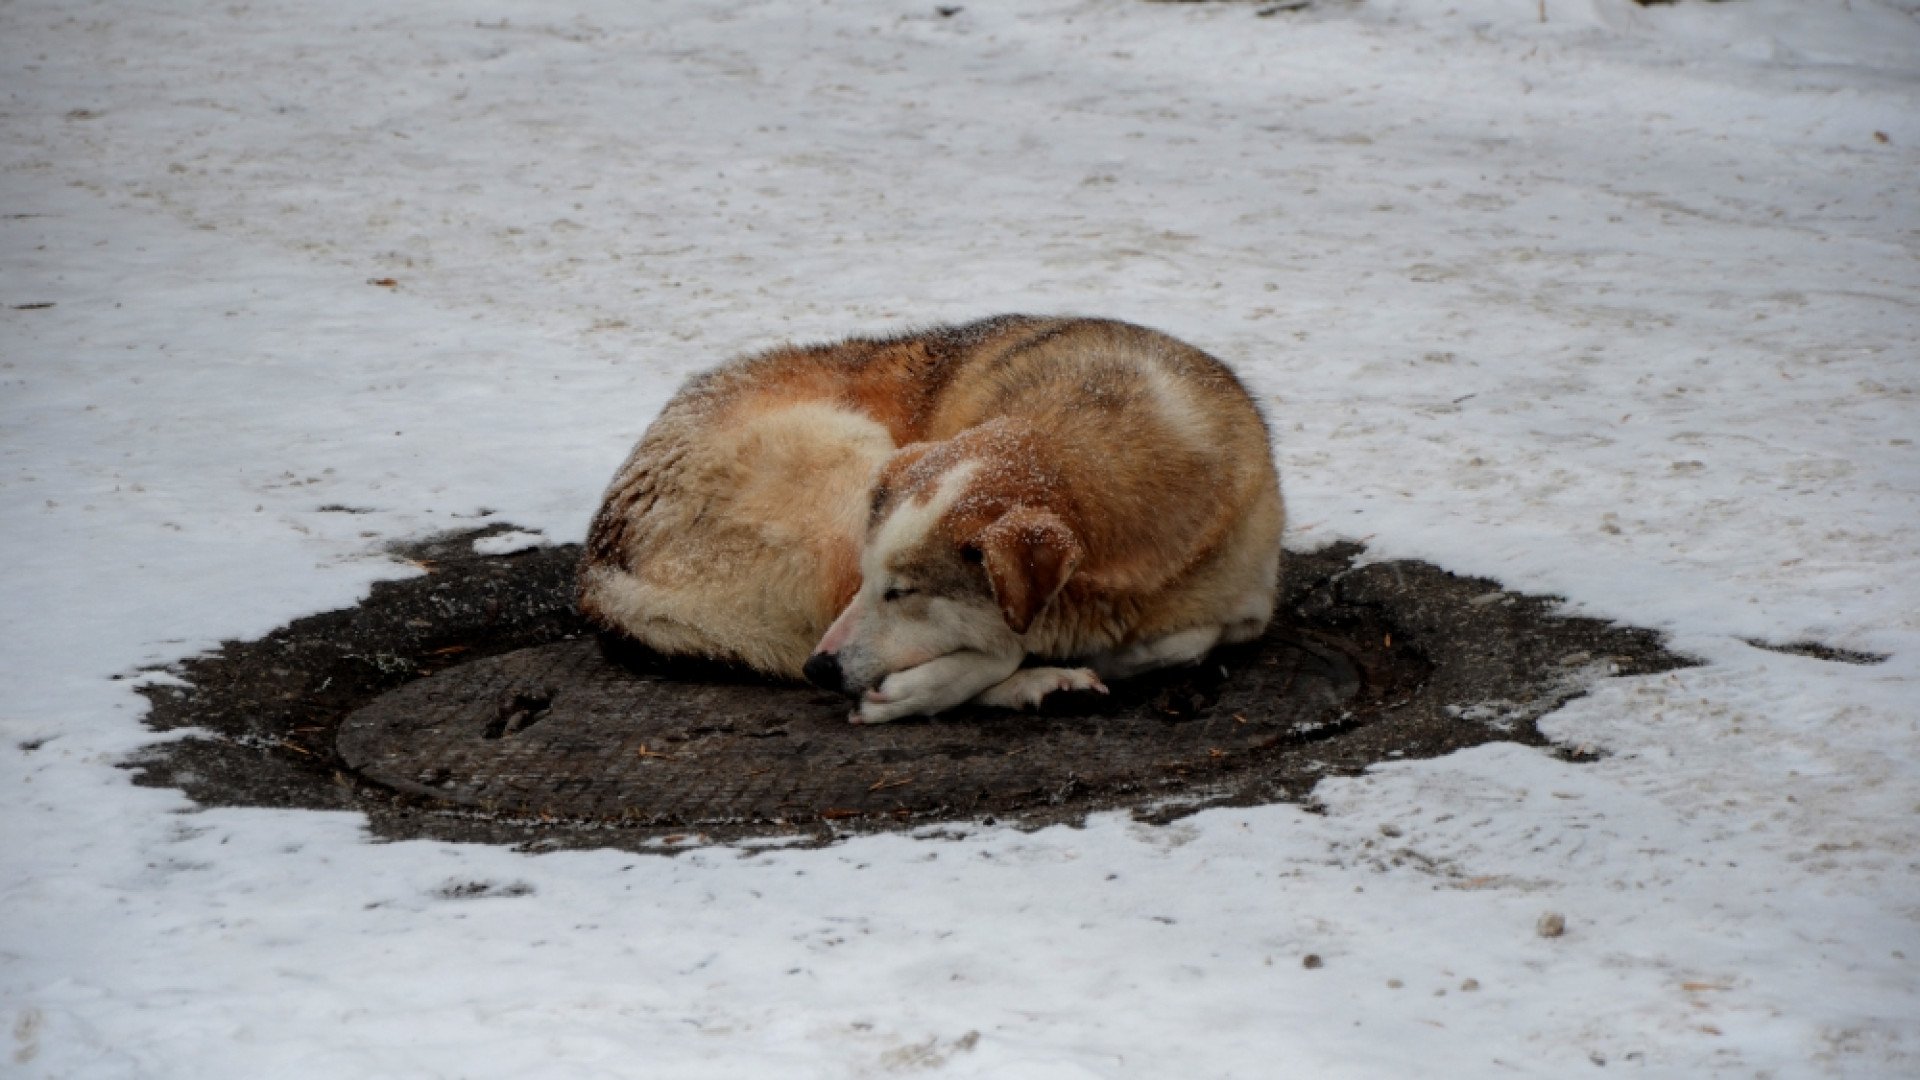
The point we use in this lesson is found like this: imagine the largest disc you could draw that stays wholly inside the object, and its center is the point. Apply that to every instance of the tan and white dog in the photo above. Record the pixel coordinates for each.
(1081, 491)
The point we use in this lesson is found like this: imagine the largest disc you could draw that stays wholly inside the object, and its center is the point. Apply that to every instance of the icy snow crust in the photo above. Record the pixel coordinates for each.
(1620, 306)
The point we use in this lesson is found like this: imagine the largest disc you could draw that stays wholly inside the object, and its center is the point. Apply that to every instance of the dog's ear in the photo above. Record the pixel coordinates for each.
(1029, 553)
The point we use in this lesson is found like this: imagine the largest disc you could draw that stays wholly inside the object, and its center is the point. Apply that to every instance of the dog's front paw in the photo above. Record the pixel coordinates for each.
(1026, 688)
(877, 708)
(934, 686)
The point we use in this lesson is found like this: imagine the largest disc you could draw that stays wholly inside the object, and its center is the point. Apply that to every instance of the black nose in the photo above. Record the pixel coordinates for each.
(823, 671)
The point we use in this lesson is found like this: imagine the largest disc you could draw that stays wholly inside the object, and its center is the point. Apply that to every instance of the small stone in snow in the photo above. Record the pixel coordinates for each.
(1551, 925)
(1311, 961)
(1469, 986)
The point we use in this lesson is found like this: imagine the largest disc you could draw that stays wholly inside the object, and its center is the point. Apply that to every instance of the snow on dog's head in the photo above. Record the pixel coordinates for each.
(964, 549)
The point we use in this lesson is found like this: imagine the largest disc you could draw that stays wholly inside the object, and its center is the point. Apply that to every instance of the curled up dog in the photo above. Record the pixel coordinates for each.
(983, 513)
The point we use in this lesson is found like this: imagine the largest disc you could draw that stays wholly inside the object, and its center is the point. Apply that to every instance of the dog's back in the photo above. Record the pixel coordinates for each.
(734, 529)
(1166, 472)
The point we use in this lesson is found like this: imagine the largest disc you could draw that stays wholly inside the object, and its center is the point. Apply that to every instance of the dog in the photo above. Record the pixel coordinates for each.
(986, 513)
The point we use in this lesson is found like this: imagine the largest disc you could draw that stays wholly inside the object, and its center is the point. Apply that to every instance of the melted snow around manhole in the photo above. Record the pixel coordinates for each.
(470, 703)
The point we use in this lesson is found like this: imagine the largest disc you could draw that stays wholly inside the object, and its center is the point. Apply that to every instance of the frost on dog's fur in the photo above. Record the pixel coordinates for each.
(918, 515)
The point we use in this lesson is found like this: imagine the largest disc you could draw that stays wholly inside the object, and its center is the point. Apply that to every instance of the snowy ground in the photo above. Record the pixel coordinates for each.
(1620, 305)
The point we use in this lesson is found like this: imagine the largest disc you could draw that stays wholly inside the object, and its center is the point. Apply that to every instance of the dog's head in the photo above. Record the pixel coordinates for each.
(965, 548)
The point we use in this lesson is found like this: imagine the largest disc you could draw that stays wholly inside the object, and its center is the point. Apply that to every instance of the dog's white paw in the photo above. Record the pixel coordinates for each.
(877, 708)
(934, 686)
(906, 693)
(1026, 688)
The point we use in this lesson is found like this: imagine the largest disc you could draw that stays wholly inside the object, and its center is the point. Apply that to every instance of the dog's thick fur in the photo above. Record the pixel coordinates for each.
(961, 499)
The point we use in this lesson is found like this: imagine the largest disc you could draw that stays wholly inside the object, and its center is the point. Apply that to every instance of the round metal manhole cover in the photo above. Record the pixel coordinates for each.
(565, 732)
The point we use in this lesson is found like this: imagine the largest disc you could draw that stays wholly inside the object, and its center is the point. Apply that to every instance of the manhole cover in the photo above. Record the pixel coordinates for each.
(471, 703)
(562, 731)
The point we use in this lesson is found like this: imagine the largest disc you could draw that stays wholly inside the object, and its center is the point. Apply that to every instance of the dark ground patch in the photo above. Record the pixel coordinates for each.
(567, 747)
(1818, 651)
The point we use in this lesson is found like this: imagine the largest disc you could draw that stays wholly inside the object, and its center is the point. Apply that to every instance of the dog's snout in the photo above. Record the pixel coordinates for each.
(823, 670)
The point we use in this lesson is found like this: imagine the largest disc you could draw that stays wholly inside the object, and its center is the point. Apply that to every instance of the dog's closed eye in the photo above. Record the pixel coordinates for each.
(896, 592)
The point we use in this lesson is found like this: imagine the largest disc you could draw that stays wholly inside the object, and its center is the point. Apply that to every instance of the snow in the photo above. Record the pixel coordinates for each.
(1619, 305)
(508, 543)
